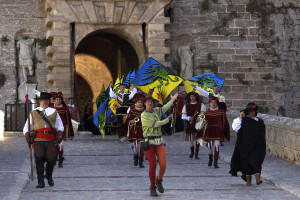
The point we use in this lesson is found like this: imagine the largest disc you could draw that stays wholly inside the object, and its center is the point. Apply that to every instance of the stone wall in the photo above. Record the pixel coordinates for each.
(254, 44)
(282, 135)
(26, 16)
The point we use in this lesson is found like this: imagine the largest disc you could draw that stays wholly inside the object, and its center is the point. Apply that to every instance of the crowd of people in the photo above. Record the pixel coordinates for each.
(142, 124)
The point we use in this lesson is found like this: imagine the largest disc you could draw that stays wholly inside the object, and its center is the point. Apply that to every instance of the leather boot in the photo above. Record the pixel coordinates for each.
(136, 160)
(49, 171)
(153, 192)
(60, 162)
(196, 153)
(192, 152)
(141, 160)
(210, 157)
(216, 161)
(159, 185)
(257, 178)
(39, 162)
(249, 180)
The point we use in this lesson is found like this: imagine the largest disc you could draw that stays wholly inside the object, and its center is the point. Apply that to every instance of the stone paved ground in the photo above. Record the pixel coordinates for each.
(103, 169)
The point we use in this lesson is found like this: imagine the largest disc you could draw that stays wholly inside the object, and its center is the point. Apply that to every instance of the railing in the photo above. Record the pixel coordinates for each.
(16, 116)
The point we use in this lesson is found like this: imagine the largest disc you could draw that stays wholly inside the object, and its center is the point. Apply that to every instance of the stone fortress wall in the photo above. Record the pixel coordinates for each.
(254, 44)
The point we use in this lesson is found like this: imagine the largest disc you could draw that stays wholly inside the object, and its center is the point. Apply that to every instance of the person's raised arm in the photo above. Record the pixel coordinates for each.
(112, 94)
(201, 91)
(166, 107)
(134, 91)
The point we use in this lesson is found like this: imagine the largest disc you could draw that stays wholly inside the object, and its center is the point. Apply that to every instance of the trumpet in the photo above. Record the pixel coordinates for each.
(136, 119)
(195, 114)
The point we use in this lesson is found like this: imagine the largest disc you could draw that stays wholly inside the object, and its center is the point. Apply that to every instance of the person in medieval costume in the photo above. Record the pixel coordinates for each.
(133, 128)
(217, 130)
(152, 123)
(47, 129)
(250, 149)
(65, 116)
(190, 112)
(176, 109)
(74, 112)
(123, 99)
(216, 93)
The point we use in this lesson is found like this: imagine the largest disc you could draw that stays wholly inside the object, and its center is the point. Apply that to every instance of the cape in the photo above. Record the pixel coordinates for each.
(250, 146)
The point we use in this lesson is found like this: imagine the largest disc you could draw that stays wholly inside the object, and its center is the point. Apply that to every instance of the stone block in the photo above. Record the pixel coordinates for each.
(156, 27)
(239, 89)
(237, 8)
(159, 50)
(241, 58)
(244, 23)
(160, 35)
(50, 34)
(224, 58)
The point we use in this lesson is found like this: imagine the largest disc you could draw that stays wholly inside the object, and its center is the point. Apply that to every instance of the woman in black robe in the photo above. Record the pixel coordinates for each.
(250, 148)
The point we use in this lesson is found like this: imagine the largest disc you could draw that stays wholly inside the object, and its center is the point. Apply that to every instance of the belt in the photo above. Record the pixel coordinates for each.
(153, 137)
(45, 136)
(44, 132)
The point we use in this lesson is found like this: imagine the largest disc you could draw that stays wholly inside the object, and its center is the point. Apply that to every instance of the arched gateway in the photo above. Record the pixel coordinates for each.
(121, 34)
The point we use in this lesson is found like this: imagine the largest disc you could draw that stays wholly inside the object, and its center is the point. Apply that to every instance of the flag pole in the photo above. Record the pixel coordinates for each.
(28, 120)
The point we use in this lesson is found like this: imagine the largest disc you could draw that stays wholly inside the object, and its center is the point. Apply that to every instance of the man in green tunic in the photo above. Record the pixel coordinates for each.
(152, 123)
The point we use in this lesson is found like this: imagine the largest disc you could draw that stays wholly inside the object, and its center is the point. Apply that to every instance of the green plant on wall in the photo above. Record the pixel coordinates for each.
(2, 79)
(43, 43)
(4, 39)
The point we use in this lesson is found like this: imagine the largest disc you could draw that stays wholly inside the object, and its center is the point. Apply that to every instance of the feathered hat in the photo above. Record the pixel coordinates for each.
(42, 95)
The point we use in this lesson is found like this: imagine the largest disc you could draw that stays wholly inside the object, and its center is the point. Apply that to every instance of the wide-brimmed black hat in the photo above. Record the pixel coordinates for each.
(44, 95)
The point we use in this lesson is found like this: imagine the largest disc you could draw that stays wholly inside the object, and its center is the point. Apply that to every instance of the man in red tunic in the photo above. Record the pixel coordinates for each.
(133, 128)
(65, 116)
(217, 130)
(193, 108)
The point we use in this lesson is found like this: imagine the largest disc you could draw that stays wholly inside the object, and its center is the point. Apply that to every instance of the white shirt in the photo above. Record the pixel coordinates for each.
(237, 123)
(113, 95)
(48, 111)
(206, 94)
(184, 113)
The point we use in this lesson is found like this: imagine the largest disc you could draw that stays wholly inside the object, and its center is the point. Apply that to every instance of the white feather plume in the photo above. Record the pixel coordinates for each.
(37, 93)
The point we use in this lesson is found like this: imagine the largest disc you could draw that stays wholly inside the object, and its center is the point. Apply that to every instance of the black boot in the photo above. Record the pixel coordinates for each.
(192, 152)
(39, 162)
(141, 160)
(216, 161)
(196, 153)
(60, 162)
(136, 160)
(210, 159)
(49, 171)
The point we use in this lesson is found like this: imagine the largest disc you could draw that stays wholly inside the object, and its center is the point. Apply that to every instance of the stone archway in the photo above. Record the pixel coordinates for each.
(139, 22)
(95, 73)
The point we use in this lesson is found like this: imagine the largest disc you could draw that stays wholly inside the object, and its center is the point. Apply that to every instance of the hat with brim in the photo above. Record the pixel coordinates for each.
(44, 95)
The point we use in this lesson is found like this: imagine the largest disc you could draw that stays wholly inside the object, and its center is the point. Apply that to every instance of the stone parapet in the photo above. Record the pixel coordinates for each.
(282, 135)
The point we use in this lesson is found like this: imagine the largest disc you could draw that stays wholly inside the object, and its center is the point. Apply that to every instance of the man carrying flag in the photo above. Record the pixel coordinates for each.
(123, 99)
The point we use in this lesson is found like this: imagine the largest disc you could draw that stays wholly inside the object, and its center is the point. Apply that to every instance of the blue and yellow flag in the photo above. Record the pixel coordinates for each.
(101, 97)
(153, 75)
(205, 81)
(100, 117)
(112, 104)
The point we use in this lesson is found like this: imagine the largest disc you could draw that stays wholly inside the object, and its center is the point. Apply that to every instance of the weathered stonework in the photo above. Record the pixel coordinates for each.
(282, 135)
(257, 52)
